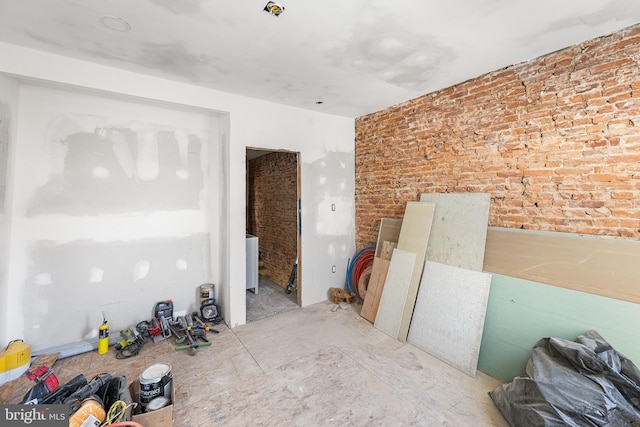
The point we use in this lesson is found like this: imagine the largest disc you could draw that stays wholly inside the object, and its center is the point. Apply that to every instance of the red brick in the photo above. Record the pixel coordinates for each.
(623, 195)
(599, 128)
(619, 97)
(613, 65)
(272, 214)
(608, 177)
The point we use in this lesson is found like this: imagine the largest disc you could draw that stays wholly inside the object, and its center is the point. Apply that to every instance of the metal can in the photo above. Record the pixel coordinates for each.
(155, 381)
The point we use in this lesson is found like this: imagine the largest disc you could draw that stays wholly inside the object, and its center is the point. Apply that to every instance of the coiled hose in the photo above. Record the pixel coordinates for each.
(357, 266)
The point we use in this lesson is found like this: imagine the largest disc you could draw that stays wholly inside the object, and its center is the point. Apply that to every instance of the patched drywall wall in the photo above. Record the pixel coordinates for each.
(8, 114)
(327, 181)
(8, 108)
(155, 160)
(5, 127)
(325, 144)
(80, 279)
(111, 215)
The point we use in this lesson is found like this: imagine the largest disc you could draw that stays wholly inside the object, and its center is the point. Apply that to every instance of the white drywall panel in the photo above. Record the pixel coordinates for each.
(68, 285)
(394, 293)
(113, 210)
(448, 318)
(459, 229)
(414, 237)
(8, 125)
(325, 144)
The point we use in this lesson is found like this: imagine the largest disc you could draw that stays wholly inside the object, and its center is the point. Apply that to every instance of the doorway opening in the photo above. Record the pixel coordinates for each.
(273, 237)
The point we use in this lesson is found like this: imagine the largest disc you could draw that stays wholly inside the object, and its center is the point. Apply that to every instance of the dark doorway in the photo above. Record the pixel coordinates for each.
(272, 217)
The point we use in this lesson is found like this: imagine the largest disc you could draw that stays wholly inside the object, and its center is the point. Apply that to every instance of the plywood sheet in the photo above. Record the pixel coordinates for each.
(602, 266)
(389, 232)
(387, 241)
(387, 249)
(414, 237)
(459, 229)
(449, 314)
(374, 291)
(394, 293)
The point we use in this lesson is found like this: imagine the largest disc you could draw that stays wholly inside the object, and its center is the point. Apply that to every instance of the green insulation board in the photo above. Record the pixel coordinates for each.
(520, 312)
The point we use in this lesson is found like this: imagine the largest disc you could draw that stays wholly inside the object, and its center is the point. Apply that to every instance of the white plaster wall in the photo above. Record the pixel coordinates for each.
(8, 126)
(327, 168)
(325, 143)
(100, 222)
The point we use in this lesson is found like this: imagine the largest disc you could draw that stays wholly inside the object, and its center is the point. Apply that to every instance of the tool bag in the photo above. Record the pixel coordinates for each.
(46, 382)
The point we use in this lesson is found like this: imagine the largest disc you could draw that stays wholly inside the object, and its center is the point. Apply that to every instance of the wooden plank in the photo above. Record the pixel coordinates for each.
(387, 239)
(449, 314)
(374, 291)
(387, 249)
(414, 237)
(608, 267)
(394, 293)
(459, 229)
(389, 232)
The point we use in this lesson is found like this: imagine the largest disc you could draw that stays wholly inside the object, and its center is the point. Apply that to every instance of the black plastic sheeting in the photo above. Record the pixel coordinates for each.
(581, 383)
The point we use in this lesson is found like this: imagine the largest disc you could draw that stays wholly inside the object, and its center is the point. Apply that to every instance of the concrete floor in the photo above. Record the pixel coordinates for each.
(271, 299)
(307, 367)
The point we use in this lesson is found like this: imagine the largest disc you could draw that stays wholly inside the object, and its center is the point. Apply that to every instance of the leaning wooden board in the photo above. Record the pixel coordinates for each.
(389, 232)
(602, 266)
(374, 291)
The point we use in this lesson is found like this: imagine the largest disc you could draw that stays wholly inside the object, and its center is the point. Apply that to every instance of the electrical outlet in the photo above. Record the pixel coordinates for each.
(333, 207)
(333, 268)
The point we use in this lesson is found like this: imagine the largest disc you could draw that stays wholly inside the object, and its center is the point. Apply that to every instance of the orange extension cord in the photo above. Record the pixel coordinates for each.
(125, 424)
(359, 264)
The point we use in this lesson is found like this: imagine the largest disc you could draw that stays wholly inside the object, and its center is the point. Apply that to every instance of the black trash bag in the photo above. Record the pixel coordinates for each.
(576, 384)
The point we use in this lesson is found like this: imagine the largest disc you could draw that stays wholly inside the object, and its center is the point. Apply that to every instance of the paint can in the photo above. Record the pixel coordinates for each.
(206, 292)
(155, 381)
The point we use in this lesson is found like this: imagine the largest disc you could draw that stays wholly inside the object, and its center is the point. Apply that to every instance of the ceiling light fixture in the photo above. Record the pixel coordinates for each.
(116, 24)
(274, 8)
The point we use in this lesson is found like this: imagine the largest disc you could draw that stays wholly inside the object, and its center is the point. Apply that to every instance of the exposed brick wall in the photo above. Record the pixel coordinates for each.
(272, 211)
(555, 141)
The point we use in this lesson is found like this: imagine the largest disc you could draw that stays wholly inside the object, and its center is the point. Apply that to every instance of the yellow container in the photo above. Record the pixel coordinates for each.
(89, 408)
(103, 336)
(16, 354)
(14, 361)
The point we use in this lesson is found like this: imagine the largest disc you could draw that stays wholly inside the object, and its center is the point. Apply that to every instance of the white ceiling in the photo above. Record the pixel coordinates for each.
(357, 56)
